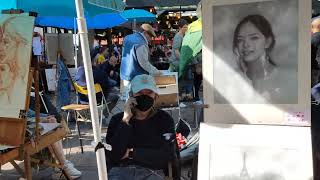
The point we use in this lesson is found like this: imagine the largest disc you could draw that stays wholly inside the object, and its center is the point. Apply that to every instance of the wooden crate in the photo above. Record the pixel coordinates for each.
(167, 90)
(167, 100)
(12, 131)
(165, 79)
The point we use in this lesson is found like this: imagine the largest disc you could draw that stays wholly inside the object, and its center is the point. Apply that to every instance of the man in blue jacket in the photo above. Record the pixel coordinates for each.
(135, 55)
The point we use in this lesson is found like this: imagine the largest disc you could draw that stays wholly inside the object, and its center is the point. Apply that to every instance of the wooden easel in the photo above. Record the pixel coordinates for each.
(12, 131)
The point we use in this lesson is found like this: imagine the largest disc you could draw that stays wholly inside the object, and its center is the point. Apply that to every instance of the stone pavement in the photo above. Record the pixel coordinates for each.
(85, 162)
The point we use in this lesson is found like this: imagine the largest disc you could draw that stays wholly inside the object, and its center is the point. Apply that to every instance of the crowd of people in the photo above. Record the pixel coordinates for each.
(143, 138)
(112, 64)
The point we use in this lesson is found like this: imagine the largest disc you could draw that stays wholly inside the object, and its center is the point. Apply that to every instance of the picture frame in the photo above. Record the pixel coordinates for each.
(241, 97)
(56, 42)
(52, 78)
(254, 152)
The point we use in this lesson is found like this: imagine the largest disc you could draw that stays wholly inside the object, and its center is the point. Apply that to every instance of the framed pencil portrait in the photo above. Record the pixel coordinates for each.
(256, 61)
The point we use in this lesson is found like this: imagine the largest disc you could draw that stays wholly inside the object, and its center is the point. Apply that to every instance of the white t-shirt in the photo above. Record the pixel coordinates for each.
(36, 46)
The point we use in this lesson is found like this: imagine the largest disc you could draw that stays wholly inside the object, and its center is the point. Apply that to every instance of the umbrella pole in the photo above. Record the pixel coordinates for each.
(134, 25)
(75, 47)
(83, 32)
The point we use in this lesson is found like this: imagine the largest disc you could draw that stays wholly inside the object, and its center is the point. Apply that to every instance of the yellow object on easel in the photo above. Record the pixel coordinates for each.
(84, 90)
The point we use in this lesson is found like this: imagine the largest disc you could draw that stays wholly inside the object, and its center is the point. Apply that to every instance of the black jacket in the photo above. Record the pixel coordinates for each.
(152, 140)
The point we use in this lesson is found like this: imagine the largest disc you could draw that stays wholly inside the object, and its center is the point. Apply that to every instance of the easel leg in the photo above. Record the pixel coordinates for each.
(27, 166)
(195, 116)
(79, 133)
(20, 171)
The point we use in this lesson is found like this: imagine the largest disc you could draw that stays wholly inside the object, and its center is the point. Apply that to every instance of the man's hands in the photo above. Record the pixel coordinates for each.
(126, 155)
(49, 119)
(159, 73)
(127, 115)
(128, 106)
(111, 73)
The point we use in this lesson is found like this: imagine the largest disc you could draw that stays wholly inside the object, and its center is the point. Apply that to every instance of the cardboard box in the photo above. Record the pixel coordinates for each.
(165, 79)
(167, 100)
(167, 90)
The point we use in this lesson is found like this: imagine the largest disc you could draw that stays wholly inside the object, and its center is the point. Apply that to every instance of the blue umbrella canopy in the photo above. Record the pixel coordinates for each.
(63, 7)
(138, 15)
(101, 21)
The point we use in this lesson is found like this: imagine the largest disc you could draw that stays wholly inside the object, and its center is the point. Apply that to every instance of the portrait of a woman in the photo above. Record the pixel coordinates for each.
(253, 42)
(255, 52)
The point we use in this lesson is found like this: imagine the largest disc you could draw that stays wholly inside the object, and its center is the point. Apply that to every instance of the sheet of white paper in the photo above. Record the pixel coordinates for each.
(4, 147)
(47, 127)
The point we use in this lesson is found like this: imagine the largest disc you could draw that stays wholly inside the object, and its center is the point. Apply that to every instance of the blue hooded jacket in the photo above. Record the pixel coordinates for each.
(130, 66)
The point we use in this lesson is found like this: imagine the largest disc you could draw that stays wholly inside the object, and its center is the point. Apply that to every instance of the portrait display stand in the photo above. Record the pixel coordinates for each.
(239, 92)
(256, 81)
(14, 145)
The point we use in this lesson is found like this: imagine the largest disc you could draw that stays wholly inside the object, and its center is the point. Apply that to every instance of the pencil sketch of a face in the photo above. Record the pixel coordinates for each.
(255, 53)
(10, 71)
(15, 51)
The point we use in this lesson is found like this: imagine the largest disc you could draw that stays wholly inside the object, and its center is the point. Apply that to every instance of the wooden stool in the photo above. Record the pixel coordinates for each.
(76, 108)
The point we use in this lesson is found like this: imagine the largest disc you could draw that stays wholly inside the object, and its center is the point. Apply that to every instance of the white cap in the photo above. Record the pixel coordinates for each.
(143, 81)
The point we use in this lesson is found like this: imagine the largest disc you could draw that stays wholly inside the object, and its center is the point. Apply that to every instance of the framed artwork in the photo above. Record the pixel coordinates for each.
(255, 152)
(15, 57)
(66, 42)
(256, 69)
(62, 41)
(52, 79)
(51, 45)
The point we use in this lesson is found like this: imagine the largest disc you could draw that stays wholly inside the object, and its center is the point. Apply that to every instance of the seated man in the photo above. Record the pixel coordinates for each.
(109, 67)
(99, 77)
(142, 138)
(102, 56)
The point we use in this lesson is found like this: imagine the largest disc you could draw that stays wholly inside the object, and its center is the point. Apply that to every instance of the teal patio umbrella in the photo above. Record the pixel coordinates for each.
(76, 8)
(101, 21)
(64, 7)
(138, 15)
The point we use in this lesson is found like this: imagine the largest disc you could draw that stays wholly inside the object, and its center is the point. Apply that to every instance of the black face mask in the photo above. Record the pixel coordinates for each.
(144, 102)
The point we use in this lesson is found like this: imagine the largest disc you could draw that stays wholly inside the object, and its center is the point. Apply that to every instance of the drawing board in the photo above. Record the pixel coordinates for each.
(255, 66)
(15, 57)
(255, 152)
